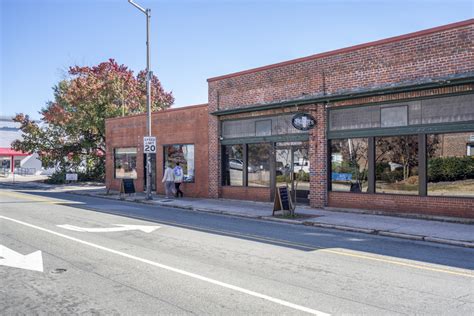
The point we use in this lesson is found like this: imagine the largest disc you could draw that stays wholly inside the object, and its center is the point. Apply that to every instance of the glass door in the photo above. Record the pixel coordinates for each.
(301, 174)
(292, 169)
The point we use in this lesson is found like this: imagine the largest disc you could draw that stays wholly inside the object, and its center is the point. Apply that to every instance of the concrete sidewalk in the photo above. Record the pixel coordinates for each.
(446, 232)
(452, 233)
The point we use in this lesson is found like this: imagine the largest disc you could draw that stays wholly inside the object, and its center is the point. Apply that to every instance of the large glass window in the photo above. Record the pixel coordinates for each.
(184, 154)
(259, 157)
(349, 164)
(233, 166)
(273, 125)
(428, 111)
(451, 164)
(125, 162)
(396, 164)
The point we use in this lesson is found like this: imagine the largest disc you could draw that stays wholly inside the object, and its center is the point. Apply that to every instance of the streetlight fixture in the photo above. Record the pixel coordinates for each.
(148, 94)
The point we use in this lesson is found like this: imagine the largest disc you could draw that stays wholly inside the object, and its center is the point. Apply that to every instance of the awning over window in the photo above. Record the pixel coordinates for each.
(10, 152)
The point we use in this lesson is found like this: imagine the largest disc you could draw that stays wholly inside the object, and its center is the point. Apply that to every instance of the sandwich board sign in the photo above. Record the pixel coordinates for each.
(149, 145)
(282, 200)
(127, 187)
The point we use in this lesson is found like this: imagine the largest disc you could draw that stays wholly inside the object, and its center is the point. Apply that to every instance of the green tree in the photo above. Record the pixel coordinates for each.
(71, 133)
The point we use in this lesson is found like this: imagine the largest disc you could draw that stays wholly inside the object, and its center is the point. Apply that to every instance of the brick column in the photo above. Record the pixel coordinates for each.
(318, 158)
(214, 156)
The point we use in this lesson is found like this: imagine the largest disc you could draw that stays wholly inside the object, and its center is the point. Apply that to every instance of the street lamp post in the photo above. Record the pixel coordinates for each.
(148, 94)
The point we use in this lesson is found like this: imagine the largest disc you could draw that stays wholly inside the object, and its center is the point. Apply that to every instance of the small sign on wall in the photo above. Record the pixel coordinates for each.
(303, 121)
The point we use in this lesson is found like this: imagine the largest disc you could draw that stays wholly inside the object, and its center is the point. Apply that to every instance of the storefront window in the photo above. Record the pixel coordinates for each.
(259, 157)
(396, 164)
(233, 157)
(349, 164)
(184, 154)
(451, 164)
(125, 162)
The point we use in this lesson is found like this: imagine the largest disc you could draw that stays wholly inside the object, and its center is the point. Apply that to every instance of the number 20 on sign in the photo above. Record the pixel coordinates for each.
(149, 145)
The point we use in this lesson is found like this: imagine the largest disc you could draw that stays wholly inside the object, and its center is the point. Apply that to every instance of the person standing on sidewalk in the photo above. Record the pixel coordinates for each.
(178, 179)
(168, 180)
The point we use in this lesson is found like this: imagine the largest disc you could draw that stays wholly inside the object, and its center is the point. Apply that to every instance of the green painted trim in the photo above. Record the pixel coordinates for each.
(405, 130)
(348, 96)
(400, 102)
(266, 139)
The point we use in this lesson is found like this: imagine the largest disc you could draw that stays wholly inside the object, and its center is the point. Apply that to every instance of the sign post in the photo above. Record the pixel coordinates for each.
(149, 147)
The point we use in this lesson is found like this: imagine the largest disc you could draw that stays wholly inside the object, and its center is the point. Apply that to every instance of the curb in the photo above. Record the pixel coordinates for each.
(458, 243)
(401, 235)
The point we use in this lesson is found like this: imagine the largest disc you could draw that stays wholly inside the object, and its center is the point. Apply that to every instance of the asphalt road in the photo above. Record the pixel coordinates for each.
(206, 264)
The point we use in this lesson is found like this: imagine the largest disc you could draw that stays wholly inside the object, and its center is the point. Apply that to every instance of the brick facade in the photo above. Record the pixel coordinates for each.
(440, 53)
(430, 57)
(187, 125)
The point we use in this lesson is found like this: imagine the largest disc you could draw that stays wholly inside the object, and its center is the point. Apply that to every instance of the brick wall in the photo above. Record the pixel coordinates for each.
(187, 125)
(246, 193)
(415, 58)
(438, 206)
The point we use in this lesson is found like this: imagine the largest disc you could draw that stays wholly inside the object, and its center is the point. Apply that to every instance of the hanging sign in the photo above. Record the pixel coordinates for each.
(149, 145)
(303, 121)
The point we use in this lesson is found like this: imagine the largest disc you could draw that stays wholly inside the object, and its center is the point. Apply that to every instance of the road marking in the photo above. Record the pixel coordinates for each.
(310, 247)
(33, 198)
(121, 228)
(288, 243)
(176, 270)
(10, 258)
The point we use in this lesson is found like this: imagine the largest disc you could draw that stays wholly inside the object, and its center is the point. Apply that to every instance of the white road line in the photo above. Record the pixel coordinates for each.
(176, 270)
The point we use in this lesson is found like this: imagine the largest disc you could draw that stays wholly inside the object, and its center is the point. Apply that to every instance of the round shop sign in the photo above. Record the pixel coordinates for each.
(303, 121)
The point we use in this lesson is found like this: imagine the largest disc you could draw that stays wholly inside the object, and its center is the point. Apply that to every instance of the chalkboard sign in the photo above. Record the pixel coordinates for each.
(127, 186)
(282, 200)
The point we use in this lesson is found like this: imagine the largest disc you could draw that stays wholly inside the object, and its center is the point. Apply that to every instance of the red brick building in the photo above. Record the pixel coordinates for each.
(385, 113)
(182, 135)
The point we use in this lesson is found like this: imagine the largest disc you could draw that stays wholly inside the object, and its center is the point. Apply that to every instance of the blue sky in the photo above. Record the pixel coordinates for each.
(191, 40)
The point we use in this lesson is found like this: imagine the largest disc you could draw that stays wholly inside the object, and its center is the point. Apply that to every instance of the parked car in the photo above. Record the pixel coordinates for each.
(238, 164)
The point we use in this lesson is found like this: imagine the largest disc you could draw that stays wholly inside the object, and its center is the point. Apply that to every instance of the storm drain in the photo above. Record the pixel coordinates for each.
(58, 271)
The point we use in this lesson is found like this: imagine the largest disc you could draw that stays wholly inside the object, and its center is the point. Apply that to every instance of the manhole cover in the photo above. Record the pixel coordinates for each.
(58, 271)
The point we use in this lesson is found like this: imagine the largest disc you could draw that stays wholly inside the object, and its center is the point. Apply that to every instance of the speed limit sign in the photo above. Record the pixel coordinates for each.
(149, 145)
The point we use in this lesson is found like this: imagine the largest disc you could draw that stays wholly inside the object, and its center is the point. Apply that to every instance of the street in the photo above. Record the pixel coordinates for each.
(101, 256)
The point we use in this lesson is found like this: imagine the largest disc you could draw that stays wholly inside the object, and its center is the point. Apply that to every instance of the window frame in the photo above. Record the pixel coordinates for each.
(421, 130)
(115, 162)
(245, 164)
(180, 144)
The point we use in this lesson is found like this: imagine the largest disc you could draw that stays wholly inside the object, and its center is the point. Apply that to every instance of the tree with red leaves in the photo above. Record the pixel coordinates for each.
(71, 134)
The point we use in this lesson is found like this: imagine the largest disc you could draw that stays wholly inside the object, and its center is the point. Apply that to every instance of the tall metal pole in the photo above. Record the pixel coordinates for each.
(147, 12)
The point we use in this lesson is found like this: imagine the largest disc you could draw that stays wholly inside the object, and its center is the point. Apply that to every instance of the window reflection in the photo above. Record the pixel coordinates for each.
(349, 163)
(451, 164)
(233, 157)
(184, 154)
(259, 165)
(125, 162)
(396, 164)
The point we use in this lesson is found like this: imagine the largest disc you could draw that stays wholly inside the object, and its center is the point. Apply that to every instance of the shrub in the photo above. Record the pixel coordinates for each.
(450, 168)
(58, 177)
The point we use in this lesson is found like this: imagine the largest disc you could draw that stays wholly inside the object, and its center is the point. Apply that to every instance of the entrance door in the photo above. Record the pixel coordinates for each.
(292, 169)
(153, 172)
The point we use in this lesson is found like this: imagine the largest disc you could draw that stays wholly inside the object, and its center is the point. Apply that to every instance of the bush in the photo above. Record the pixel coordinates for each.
(58, 177)
(450, 168)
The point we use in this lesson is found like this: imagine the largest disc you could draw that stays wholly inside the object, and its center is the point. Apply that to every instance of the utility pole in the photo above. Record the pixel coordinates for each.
(148, 95)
